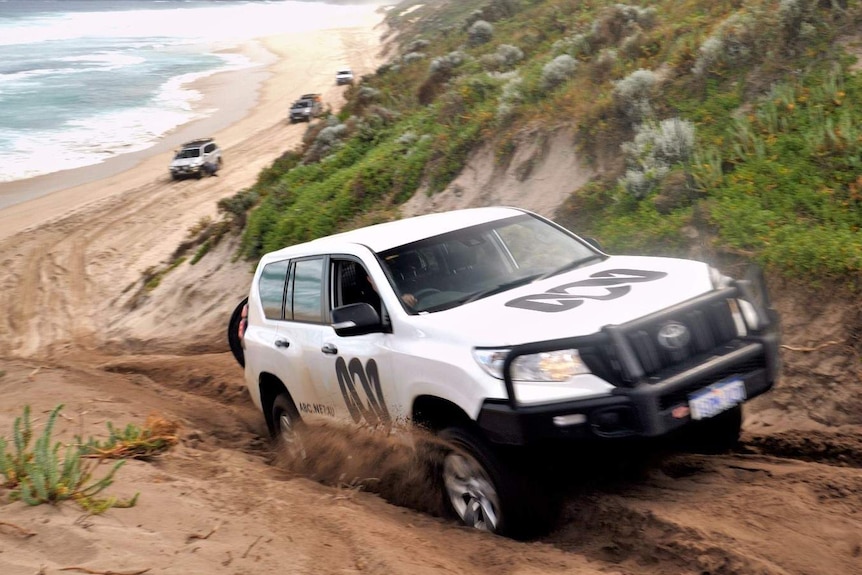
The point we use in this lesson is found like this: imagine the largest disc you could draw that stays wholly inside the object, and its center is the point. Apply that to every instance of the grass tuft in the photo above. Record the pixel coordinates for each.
(44, 472)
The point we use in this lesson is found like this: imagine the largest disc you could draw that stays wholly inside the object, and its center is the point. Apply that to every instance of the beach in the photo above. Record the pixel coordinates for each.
(249, 124)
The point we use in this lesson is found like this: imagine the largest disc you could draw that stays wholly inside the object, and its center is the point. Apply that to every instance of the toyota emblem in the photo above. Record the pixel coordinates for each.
(673, 336)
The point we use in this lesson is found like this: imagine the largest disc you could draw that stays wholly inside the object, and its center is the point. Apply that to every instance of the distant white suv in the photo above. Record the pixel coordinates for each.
(499, 330)
(344, 76)
(196, 159)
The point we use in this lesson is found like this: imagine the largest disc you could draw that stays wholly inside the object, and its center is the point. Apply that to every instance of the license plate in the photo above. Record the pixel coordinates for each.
(714, 399)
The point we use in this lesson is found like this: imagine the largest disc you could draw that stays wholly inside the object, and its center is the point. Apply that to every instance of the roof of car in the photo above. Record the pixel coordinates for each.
(198, 142)
(381, 237)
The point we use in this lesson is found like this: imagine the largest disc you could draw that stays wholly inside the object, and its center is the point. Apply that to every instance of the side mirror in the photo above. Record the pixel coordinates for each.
(356, 319)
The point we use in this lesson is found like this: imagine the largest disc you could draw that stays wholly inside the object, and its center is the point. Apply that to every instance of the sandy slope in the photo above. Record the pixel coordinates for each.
(223, 502)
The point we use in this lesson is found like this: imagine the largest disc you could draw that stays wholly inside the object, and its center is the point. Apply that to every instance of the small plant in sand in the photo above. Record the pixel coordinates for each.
(154, 438)
(41, 474)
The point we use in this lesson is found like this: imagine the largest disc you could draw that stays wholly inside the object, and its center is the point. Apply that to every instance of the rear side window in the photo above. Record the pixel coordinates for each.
(271, 289)
(308, 290)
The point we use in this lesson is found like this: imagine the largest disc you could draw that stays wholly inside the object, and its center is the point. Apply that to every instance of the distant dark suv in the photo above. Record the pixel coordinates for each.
(196, 159)
(308, 106)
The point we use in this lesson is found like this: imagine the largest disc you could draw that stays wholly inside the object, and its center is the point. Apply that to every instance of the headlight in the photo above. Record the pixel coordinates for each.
(718, 279)
(557, 366)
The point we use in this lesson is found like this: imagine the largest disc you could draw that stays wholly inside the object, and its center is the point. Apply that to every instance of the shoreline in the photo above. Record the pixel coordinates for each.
(215, 94)
(281, 67)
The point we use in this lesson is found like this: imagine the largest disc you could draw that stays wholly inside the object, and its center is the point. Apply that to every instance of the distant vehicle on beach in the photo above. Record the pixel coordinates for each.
(196, 159)
(308, 106)
(344, 76)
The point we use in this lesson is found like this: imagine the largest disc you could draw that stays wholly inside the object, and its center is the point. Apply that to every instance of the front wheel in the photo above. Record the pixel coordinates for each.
(470, 490)
(489, 492)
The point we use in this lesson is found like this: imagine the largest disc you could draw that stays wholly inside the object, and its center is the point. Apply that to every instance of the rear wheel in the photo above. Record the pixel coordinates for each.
(286, 425)
(490, 492)
(236, 330)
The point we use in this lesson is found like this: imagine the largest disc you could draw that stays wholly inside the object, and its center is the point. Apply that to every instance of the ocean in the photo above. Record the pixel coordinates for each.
(82, 81)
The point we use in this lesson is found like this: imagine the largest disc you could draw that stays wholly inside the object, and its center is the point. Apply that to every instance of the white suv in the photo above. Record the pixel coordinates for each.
(196, 158)
(344, 76)
(498, 329)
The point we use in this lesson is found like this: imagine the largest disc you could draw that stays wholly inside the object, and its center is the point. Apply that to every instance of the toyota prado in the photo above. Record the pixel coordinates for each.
(498, 330)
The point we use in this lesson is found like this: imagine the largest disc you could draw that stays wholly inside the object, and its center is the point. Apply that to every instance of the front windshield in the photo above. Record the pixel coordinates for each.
(451, 269)
(189, 153)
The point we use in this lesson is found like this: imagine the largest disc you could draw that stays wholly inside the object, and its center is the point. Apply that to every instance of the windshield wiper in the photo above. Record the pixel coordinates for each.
(570, 266)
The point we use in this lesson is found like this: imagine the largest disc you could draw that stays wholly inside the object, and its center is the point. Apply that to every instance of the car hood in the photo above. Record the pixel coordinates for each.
(575, 303)
(182, 162)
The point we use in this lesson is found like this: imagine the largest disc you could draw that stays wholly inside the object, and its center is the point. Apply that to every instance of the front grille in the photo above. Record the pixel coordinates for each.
(710, 326)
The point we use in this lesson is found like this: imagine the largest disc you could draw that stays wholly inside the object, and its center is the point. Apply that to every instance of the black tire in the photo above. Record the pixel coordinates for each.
(285, 419)
(487, 490)
(233, 338)
(718, 434)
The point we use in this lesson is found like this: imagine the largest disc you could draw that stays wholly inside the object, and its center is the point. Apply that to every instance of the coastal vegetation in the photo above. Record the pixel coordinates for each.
(737, 119)
(46, 471)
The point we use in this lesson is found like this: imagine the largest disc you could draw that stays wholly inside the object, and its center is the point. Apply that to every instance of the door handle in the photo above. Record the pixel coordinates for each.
(283, 343)
(329, 348)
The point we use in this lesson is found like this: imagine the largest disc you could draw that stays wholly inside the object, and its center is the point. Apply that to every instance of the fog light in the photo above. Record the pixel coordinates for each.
(571, 419)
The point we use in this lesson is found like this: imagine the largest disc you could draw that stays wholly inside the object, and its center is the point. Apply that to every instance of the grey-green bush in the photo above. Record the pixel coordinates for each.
(731, 43)
(511, 95)
(480, 32)
(410, 57)
(557, 71)
(367, 94)
(504, 58)
(633, 95)
(444, 65)
(574, 45)
(654, 150)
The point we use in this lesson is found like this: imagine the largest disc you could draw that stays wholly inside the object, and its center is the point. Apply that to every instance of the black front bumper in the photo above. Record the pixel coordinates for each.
(647, 400)
(186, 171)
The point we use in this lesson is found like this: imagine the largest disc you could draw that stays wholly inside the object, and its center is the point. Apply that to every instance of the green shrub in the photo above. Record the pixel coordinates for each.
(40, 475)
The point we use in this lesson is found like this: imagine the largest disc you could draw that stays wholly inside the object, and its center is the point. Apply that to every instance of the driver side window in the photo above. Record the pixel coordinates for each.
(352, 284)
